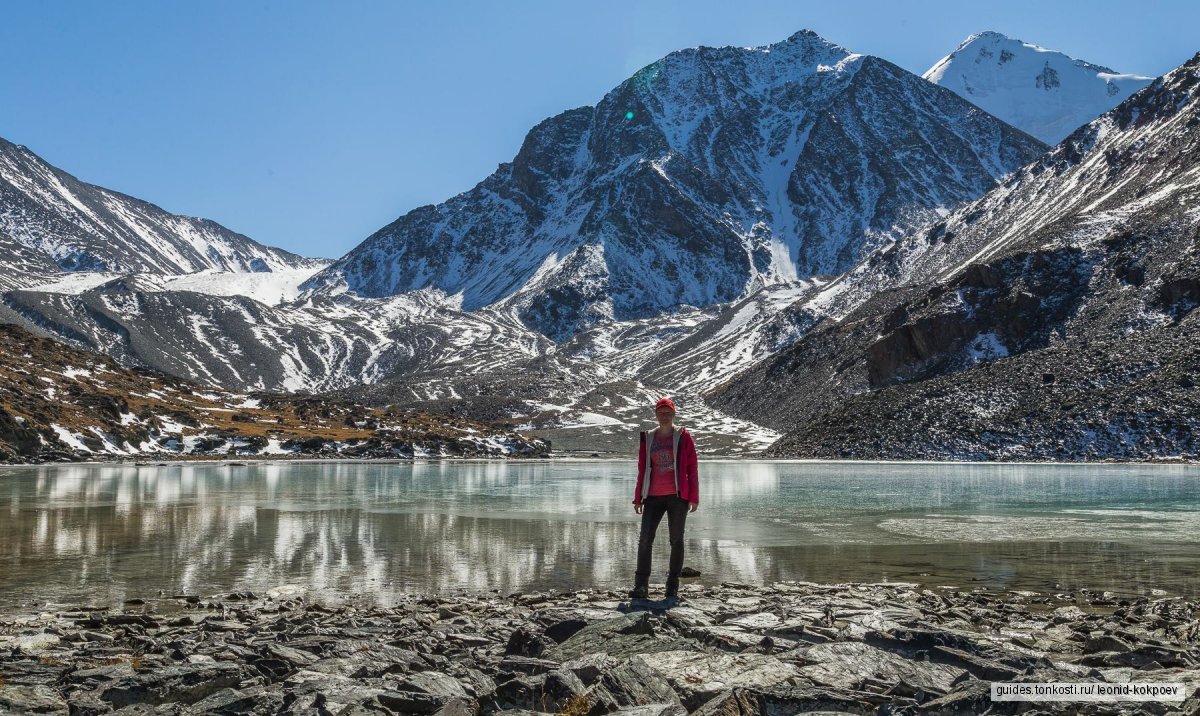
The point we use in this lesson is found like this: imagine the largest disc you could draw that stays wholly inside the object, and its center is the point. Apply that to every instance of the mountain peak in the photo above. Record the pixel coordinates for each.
(1044, 92)
(985, 35)
(808, 39)
(721, 166)
(805, 35)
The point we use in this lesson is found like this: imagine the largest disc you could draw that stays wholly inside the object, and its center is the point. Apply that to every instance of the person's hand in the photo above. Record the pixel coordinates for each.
(637, 507)
(694, 506)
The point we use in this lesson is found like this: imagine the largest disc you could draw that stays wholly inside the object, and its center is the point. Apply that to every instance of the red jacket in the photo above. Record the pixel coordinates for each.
(687, 479)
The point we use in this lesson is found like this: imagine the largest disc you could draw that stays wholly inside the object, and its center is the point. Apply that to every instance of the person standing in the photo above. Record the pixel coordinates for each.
(667, 483)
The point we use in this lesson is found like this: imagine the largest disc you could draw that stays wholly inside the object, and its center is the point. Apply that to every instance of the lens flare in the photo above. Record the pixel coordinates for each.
(629, 114)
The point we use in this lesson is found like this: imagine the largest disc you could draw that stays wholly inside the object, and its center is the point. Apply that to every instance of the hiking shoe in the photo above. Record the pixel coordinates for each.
(639, 592)
(672, 600)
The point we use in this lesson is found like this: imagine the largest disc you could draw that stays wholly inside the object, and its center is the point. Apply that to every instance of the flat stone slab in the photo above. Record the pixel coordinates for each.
(847, 664)
(698, 677)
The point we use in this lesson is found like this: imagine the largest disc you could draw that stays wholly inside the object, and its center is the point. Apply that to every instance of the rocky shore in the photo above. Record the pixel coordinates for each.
(728, 650)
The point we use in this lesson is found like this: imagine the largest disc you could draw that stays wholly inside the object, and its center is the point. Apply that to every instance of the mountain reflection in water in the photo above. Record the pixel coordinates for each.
(100, 533)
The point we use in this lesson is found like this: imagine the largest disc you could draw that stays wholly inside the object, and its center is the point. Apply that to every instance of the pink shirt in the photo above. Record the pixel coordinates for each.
(662, 473)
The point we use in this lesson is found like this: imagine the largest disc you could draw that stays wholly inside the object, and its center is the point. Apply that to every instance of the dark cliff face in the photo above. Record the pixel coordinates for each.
(705, 172)
(81, 227)
(1084, 261)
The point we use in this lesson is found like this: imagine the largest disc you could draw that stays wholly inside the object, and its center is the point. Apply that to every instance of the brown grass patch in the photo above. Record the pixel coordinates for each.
(577, 705)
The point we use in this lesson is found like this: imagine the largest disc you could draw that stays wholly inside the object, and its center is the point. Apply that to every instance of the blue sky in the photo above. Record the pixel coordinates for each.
(308, 125)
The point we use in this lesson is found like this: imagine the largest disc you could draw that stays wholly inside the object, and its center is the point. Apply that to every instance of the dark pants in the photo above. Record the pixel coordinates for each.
(653, 508)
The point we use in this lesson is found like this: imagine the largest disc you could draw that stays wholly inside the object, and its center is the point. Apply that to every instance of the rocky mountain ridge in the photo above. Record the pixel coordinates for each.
(1084, 260)
(57, 221)
(706, 175)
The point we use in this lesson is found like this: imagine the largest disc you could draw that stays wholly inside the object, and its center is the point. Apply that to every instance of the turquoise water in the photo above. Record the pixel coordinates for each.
(100, 533)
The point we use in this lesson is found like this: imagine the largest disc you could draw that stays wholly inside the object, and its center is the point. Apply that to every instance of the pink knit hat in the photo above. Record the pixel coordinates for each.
(667, 402)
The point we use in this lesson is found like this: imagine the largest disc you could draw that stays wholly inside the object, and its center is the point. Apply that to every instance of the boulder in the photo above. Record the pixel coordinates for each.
(631, 683)
(552, 691)
(731, 702)
(590, 667)
(620, 637)
(413, 702)
(526, 665)
(527, 641)
(184, 683)
(698, 677)
(31, 700)
(234, 701)
(844, 665)
(433, 683)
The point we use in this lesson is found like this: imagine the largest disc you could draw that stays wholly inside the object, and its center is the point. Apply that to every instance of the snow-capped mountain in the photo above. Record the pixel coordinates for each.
(239, 343)
(82, 227)
(703, 177)
(1040, 91)
(731, 170)
(1054, 318)
(1090, 248)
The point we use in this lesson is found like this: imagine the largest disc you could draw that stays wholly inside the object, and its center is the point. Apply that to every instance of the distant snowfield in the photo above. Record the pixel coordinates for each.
(1040, 91)
(270, 288)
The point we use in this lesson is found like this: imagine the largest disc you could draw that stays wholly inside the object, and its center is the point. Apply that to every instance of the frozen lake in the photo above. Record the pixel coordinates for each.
(104, 533)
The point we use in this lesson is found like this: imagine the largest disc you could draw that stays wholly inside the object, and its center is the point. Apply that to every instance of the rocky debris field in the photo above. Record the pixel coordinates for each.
(728, 650)
(1132, 398)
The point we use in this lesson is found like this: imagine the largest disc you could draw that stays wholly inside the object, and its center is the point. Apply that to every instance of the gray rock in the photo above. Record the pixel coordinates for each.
(31, 700)
(668, 709)
(697, 677)
(845, 665)
(100, 676)
(527, 640)
(186, 683)
(972, 697)
(1105, 642)
(620, 637)
(564, 628)
(688, 616)
(235, 701)
(631, 683)
(87, 703)
(477, 684)
(458, 707)
(818, 700)
(732, 702)
(551, 691)
(432, 683)
(912, 640)
(306, 690)
(33, 644)
(413, 702)
(295, 657)
(590, 667)
(526, 665)
(979, 666)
